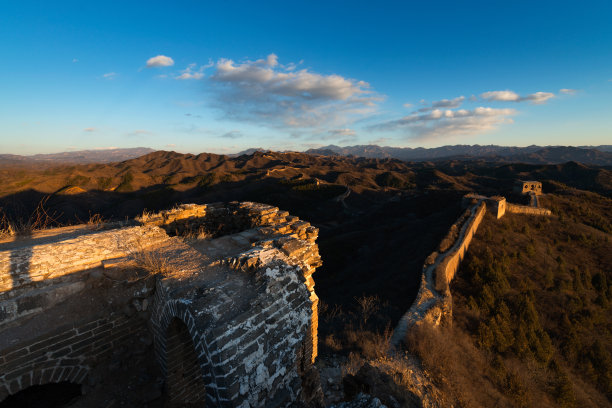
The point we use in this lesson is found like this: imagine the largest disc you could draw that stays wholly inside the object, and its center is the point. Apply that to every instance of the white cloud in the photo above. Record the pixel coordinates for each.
(89, 129)
(268, 93)
(500, 96)
(511, 96)
(75, 60)
(109, 75)
(568, 91)
(191, 73)
(170, 145)
(408, 105)
(444, 123)
(160, 61)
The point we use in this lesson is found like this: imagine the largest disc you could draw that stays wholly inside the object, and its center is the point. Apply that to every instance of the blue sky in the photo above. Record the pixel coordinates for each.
(196, 76)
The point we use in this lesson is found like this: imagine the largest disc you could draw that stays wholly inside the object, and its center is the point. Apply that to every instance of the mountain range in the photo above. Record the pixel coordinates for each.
(594, 155)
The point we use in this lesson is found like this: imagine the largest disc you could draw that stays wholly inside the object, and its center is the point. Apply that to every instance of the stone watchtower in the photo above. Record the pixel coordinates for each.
(527, 187)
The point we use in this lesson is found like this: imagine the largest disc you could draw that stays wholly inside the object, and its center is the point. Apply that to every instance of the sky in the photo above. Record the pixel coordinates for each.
(198, 76)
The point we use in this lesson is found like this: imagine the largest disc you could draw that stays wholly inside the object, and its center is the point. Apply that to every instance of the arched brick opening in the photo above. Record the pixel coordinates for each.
(61, 372)
(170, 313)
(184, 381)
(50, 395)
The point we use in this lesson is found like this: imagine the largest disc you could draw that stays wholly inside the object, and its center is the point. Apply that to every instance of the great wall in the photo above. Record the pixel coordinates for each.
(223, 292)
(232, 315)
(434, 302)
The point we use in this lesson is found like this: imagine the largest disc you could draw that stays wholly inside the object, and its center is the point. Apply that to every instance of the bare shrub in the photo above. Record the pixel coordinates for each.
(151, 261)
(7, 228)
(368, 306)
(95, 221)
(333, 343)
(40, 219)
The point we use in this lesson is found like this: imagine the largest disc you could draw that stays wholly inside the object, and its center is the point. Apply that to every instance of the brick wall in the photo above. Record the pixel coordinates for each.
(67, 354)
(523, 209)
(184, 379)
(434, 301)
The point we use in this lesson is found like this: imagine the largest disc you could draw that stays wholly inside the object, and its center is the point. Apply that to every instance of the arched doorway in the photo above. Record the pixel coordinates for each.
(51, 395)
(184, 382)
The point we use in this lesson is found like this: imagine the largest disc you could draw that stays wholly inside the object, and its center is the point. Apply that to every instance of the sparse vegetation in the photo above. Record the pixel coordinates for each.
(531, 313)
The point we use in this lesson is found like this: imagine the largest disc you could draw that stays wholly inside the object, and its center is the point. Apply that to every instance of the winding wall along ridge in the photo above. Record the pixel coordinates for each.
(434, 301)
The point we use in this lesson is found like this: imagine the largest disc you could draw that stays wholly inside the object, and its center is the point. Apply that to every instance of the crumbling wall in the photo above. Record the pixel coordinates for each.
(434, 301)
(249, 315)
(524, 209)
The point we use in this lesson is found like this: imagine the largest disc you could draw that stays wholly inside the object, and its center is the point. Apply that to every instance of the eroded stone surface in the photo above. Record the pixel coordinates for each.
(235, 279)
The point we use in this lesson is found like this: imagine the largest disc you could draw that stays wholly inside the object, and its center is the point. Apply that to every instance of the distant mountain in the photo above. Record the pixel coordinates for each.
(78, 157)
(249, 151)
(597, 155)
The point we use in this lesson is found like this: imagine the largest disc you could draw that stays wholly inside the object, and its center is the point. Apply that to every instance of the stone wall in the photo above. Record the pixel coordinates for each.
(67, 353)
(225, 291)
(39, 272)
(434, 301)
(524, 209)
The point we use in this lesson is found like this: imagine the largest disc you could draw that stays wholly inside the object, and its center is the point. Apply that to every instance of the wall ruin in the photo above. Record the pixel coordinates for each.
(230, 307)
(433, 303)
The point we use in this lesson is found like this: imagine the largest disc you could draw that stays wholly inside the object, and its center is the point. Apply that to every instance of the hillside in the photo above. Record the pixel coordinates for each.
(532, 310)
(378, 220)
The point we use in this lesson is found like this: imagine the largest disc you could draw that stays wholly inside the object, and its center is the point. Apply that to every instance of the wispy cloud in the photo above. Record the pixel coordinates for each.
(170, 145)
(342, 132)
(444, 103)
(568, 91)
(140, 132)
(89, 129)
(191, 73)
(380, 141)
(511, 96)
(75, 60)
(265, 92)
(110, 75)
(440, 123)
(232, 134)
(159, 61)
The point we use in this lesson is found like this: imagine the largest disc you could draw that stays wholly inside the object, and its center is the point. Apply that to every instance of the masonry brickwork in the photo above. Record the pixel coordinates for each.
(231, 308)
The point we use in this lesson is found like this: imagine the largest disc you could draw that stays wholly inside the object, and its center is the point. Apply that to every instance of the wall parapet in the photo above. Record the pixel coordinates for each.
(524, 209)
(434, 300)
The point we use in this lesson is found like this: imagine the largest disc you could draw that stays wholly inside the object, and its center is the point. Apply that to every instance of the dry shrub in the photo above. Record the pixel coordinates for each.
(151, 261)
(6, 226)
(456, 366)
(39, 219)
(95, 221)
(368, 305)
(333, 343)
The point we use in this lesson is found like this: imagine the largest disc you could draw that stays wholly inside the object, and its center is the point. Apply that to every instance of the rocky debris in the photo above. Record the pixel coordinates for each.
(361, 400)
(372, 380)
